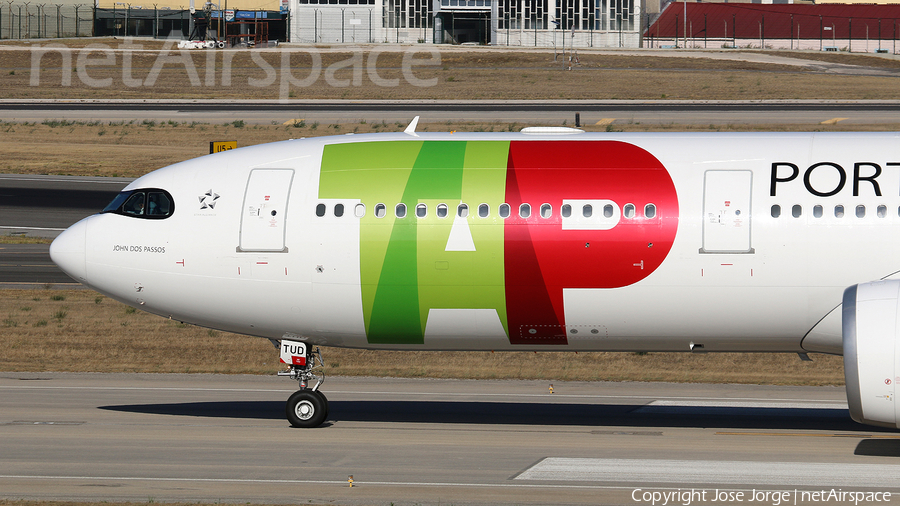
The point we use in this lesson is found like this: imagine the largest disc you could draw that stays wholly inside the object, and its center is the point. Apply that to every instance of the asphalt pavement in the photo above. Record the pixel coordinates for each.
(211, 438)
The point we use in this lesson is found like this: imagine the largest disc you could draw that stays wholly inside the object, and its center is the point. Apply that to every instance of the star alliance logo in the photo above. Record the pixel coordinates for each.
(208, 200)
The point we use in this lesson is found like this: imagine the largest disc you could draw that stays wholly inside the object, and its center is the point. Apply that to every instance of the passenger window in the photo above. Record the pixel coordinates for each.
(462, 211)
(650, 211)
(882, 211)
(379, 210)
(525, 210)
(320, 210)
(360, 210)
(587, 210)
(860, 211)
(565, 210)
(504, 210)
(796, 211)
(442, 210)
(546, 211)
(484, 210)
(608, 211)
(817, 211)
(629, 211)
(400, 210)
(421, 210)
(339, 210)
(776, 210)
(838, 211)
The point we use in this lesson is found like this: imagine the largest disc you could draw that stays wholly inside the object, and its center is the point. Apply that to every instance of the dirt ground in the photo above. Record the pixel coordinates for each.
(102, 148)
(81, 330)
(110, 68)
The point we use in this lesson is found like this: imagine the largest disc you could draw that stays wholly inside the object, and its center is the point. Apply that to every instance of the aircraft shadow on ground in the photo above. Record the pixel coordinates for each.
(529, 413)
(878, 448)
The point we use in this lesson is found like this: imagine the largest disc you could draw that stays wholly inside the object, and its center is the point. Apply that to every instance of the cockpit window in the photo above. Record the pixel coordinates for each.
(117, 202)
(135, 204)
(144, 203)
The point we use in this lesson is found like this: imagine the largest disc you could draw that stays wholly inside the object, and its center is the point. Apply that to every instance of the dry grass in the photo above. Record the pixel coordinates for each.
(23, 239)
(475, 75)
(858, 59)
(98, 148)
(8, 502)
(79, 330)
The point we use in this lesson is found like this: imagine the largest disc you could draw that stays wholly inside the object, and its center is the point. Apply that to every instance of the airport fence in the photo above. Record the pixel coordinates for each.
(890, 46)
(41, 21)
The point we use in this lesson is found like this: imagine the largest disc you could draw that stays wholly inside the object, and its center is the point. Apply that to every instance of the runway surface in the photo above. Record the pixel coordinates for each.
(107, 437)
(44, 206)
(52, 203)
(521, 112)
(28, 265)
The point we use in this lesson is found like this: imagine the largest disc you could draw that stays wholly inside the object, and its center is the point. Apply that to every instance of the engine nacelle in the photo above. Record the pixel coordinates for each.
(871, 333)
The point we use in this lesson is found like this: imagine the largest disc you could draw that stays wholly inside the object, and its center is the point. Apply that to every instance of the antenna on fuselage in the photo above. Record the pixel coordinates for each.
(411, 128)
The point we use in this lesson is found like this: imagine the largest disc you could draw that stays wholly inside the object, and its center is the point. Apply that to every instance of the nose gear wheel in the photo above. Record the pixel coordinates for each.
(308, 407)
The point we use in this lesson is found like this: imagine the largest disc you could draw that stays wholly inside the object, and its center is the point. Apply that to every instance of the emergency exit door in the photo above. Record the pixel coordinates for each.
(726, 211)
(264, 214)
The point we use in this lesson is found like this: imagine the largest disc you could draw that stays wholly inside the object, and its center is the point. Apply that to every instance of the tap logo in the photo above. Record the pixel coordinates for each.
(550, 216)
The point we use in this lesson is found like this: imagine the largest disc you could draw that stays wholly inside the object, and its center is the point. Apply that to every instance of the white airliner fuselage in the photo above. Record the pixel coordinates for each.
(519, 241)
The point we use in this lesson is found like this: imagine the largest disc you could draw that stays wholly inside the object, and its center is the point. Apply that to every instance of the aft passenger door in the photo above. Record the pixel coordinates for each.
(264, 214)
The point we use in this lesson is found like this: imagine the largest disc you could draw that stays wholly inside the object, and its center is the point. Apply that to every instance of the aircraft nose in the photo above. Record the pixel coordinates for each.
(67, 251)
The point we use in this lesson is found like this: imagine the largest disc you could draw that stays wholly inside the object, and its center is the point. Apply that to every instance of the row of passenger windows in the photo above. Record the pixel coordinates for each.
(839, 211)
(484, 210)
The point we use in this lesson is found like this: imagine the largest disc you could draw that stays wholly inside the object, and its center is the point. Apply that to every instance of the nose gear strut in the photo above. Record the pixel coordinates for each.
(307, 407)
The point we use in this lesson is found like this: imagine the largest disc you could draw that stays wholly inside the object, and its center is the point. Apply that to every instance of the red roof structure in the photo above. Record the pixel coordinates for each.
(777, 21)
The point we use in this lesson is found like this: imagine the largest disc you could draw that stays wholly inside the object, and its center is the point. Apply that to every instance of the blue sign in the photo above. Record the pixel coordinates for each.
(242, 15)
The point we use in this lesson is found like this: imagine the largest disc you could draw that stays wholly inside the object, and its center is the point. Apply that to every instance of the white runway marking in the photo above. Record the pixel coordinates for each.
(713, 472)
(663, 401)
(356, 483)
(30, 228)
(69, 179)
(739, 403)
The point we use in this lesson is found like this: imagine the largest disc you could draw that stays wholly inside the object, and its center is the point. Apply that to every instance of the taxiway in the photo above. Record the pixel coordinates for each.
(111, 437)
(518, 112)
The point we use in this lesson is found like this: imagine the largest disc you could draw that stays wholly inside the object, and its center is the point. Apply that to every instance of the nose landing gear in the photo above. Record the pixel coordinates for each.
(307, 407)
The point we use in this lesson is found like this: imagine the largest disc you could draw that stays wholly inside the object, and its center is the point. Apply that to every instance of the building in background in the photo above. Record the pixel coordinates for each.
(536, 23)
(232, 26)
(829, 27)
(561, 24)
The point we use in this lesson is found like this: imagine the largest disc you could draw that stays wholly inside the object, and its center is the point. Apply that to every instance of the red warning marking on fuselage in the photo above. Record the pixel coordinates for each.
(541, 259)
